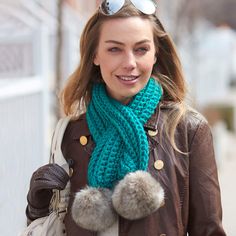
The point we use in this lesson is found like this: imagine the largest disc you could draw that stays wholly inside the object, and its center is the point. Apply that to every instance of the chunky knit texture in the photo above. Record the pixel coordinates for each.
(118, 132)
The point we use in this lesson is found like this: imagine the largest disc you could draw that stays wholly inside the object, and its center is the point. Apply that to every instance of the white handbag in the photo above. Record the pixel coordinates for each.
(53, 225)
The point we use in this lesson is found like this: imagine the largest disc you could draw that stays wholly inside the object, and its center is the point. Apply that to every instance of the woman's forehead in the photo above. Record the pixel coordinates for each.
(125, 28)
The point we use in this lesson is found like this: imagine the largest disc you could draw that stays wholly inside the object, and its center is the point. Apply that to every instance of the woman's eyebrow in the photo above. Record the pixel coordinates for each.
(121, 43)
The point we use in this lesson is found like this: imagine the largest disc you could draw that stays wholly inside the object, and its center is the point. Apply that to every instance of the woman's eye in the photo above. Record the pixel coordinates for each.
(114, 49)
(141, 50)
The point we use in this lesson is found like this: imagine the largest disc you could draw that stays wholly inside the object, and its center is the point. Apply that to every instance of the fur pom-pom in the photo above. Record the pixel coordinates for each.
(137, 195)
(92, 209)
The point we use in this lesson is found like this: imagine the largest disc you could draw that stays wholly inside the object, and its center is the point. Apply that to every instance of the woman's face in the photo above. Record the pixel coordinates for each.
(125, 54)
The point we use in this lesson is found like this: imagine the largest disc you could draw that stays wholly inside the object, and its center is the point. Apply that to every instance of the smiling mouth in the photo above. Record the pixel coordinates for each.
(127, 78)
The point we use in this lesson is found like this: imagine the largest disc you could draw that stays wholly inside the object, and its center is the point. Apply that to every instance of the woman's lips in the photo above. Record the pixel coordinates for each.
(129, 80)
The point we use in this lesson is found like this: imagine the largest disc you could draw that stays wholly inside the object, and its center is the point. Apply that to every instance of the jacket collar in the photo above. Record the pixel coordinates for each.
(153, 120)
(81, 128)
(152, 124)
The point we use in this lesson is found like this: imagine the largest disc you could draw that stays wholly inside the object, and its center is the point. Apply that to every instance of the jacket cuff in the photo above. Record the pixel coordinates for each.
(34, 213)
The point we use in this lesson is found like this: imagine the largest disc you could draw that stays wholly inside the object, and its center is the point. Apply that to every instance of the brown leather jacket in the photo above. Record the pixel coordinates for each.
(192, 194)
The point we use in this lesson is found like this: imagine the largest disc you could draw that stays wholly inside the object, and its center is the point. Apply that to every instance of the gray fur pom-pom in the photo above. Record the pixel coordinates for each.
(92, 209)
(137, 195)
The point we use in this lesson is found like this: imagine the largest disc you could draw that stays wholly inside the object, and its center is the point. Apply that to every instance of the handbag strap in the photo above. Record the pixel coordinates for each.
(56, 155)
(58, 201)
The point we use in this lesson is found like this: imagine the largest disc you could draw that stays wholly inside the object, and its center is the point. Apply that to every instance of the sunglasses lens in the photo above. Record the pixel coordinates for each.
(145, 6)
(111, 7)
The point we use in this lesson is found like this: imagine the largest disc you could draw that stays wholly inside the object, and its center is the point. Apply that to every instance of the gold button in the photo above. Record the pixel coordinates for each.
(162, 234)
(152, 133)
(83, 140)
(159, 164)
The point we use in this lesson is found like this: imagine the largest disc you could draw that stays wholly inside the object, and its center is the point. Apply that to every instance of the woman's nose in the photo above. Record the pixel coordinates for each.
(129, 61)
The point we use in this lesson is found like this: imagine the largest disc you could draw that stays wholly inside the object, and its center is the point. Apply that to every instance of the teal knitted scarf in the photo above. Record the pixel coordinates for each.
(118, 132)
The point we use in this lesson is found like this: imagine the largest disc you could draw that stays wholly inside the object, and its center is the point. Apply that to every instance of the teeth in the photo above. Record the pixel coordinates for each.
(127, 78)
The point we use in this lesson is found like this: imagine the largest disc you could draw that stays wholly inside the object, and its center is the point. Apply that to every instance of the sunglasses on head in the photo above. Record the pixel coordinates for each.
(111, 7)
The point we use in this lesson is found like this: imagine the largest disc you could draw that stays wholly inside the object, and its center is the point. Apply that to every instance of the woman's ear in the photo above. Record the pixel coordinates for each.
(155, 60)
(155, 57)
(96, 61)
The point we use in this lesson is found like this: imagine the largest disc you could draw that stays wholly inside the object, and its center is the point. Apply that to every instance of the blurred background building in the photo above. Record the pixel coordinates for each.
(39, 49)
(35, 37)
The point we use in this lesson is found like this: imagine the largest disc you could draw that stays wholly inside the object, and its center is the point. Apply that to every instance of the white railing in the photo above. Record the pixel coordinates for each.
(24, 113)
(22, 145)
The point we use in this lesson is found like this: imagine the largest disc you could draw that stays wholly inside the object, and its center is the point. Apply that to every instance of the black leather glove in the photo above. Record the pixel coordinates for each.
(43, 181)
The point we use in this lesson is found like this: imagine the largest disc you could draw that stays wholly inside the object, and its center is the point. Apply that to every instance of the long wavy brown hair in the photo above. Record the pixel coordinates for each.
(167, 69)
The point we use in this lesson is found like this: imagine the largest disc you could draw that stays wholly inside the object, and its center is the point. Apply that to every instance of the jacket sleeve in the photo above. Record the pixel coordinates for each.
(205, 211)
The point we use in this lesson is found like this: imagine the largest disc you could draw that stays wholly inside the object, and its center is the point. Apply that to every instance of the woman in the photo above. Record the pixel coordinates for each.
(143, 162)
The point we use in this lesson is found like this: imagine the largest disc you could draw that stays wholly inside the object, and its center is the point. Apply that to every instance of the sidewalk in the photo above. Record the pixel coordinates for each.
(227, 178)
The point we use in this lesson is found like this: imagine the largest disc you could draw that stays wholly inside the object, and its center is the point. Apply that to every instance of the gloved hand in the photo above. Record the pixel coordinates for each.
(43, 181)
